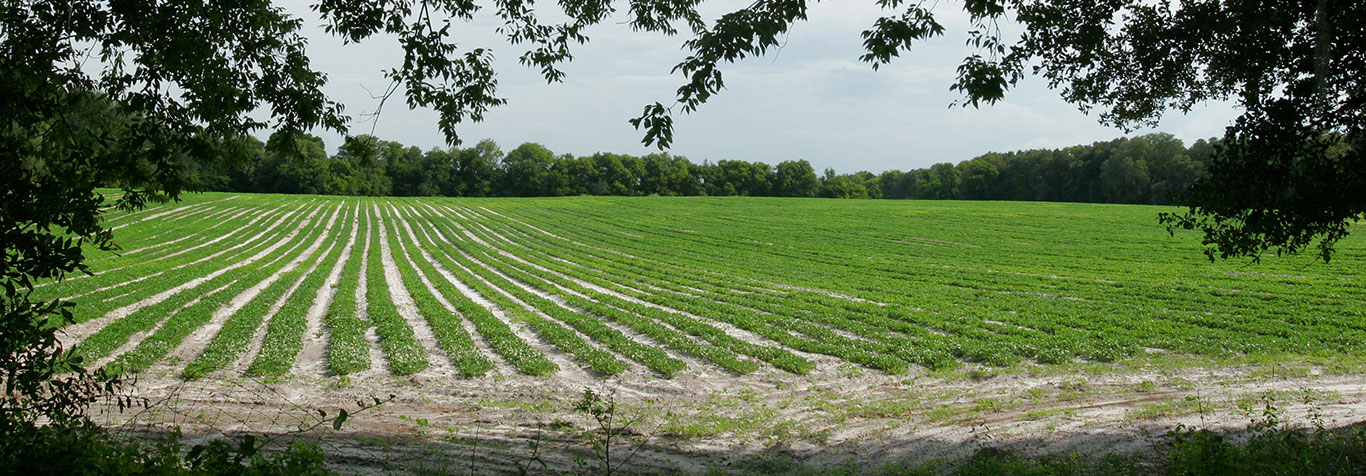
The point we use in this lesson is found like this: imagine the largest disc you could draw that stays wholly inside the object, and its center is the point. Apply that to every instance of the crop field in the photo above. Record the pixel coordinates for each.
(277, 285)
(889, 329)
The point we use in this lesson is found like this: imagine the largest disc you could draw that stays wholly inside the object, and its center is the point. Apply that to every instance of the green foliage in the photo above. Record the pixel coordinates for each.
(404, 353)
(87, 449)
(1148, 169)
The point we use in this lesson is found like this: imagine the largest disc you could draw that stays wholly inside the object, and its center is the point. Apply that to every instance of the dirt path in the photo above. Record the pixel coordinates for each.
(439, 364)
(825, 418)
(194, 344)
(312, 359)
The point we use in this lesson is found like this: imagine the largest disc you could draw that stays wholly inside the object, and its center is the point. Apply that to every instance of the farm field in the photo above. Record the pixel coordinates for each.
(875, 321)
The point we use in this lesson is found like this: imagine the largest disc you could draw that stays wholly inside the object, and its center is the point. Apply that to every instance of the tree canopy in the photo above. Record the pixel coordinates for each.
(195, 72)
(1148, 169)
(122, 92)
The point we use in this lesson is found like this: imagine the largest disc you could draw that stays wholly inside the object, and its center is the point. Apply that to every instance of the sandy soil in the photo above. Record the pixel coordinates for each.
(79, 331)
(702, 420)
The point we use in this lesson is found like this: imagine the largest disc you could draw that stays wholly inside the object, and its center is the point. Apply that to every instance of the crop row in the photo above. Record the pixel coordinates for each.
(664, 283)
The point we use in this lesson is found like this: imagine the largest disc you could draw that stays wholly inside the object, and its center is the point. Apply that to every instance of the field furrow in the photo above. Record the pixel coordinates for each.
(582, 288)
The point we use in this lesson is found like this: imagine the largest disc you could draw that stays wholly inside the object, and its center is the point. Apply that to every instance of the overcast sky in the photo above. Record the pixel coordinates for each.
(811, 100)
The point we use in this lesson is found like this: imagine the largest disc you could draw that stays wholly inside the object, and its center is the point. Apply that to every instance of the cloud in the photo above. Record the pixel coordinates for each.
(812, 99)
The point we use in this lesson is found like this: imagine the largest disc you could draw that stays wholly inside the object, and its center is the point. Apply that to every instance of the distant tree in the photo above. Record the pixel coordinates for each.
(526, 171)
(795, 178)
(294, 163)
(573, 175)
(476, 170)
(405, 168)
(360, 167)
(943, 182)
(842, 186)
(978, 178)
(615, 174)
(668, 175)
(738, 177)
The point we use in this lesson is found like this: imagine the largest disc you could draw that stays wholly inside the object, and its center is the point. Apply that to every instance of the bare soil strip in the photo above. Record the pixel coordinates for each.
(439, 364)
(729, 329)
(216, 217)
(500, 364)
(76, 332)
(194, 344)
(168, 212)
(186, 250)
(137, 337)
(157, 273)
(258, 337)
(313, 353)
(151, 209)
(695, 270)
(569, 370)
(378, 367)
(691, 362)
(528, 307)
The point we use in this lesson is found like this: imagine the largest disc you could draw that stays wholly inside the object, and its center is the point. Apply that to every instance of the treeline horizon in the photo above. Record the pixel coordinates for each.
(1148, 169)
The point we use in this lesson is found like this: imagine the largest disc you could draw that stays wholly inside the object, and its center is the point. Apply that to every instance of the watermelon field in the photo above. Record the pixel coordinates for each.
(755, 321)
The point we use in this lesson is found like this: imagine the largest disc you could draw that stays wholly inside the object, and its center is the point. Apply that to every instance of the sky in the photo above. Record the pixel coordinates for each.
(811, 100)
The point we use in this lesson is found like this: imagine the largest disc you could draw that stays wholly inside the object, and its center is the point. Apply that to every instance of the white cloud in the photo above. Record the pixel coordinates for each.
(810, 100)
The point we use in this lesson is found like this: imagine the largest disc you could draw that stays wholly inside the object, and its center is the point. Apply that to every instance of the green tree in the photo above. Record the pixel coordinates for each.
(943, 182)
(978, 178)
(738, 177)
(526, 171)
(476, 170)
(842, 186)
(795, 178)
(667, 175)
(121, 93)
(359, 167)
(294, 163)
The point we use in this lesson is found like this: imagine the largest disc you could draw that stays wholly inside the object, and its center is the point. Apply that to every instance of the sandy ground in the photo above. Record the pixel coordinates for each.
(701, 420)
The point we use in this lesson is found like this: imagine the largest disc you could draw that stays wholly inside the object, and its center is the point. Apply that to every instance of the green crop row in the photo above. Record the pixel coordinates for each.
(651, 357)
(285, 331)
(347, 349)
(192, 318)
(567, 340)
(494, 331)
(121, 286)
(235, 336)
(645, 322)
(115, 334)
(450, 335)
(403, 352)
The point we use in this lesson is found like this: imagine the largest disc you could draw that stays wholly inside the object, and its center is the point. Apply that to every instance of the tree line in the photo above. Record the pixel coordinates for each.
(1147, 169)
